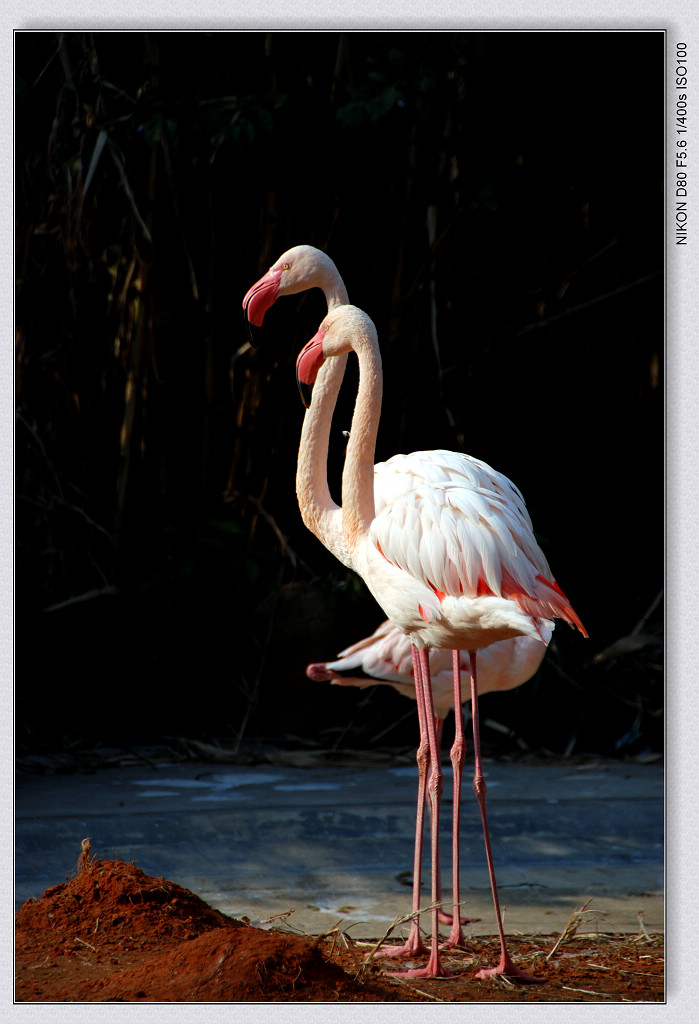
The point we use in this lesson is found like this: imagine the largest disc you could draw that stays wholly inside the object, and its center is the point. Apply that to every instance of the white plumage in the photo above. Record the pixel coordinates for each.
(386, 658)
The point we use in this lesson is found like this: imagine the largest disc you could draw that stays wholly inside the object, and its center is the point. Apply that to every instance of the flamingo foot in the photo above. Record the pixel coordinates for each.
(433, 969)
(510, 971)
(413, 946)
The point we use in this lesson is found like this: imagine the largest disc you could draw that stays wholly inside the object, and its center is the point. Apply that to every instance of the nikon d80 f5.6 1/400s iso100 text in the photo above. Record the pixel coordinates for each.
(681, 126)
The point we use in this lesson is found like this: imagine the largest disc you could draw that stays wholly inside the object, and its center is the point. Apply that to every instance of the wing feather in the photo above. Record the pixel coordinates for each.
(455, 524)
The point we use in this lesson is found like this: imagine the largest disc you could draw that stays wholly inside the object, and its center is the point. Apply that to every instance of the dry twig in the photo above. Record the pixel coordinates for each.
(89, 946)
(84, 860)
(279, 917)
(588, 992)
(413, 988)
(572, 925)
(398, 921)
(643, 935)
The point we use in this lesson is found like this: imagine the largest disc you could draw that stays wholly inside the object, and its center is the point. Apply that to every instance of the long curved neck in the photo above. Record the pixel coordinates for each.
(358, 510)
(323, 275)
(334, 290)
(319, 512)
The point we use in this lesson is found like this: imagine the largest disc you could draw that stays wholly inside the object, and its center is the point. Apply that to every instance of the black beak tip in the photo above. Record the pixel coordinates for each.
(306, 392)
(253, 331)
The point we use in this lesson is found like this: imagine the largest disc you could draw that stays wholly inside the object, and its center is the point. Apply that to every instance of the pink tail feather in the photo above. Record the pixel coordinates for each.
(551, 602)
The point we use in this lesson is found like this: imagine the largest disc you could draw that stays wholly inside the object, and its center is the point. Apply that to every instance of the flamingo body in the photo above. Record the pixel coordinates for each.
(443, 541)
(386, 657)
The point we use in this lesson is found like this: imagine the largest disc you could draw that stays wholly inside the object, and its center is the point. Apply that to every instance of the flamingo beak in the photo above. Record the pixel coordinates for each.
(259, 298)
(253, 332)
(309, 361)
(306, 392)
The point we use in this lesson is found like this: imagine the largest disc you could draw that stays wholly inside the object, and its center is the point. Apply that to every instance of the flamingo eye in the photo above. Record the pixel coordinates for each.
(285, 266)
(326, 327)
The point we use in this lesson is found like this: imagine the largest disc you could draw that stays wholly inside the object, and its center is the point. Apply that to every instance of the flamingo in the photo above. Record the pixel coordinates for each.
(386, 658)
(297, 269)
(305, 267)
(448, 553)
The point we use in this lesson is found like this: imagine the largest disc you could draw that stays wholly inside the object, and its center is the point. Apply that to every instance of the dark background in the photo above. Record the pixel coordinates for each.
(510, 185)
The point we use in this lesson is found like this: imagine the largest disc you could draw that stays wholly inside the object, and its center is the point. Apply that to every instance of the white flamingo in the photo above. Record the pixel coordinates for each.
(300, 268)
(386, 659)
(304, 267)
(448, 553)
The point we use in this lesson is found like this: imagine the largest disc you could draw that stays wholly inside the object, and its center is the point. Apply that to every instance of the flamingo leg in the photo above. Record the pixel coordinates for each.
(414, 944)
(442, 916)
(506, 965)
(458, 753)
(423, 692)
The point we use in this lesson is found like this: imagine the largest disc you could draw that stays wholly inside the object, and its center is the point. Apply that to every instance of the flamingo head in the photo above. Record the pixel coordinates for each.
(296, 270)
(342, 329)
(318, 672)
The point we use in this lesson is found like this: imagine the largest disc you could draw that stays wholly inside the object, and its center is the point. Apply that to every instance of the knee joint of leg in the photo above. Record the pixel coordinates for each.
(479, 786)
(436, 783)
(458, 752)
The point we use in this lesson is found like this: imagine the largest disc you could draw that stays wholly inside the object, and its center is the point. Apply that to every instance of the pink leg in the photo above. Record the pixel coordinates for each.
(442, 915)
(414, 944)
(458, 750)
(506, 965)
(423, 692)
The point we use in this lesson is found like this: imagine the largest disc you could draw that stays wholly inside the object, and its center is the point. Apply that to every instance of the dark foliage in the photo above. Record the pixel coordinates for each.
(502, 223)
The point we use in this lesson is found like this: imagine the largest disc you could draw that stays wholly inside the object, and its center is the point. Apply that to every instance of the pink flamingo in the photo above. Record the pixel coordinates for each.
(300, 268)
(448, 553)
(305, 267)
(386, 658)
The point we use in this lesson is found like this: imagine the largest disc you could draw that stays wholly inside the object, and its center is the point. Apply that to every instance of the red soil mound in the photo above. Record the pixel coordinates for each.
(116, 934)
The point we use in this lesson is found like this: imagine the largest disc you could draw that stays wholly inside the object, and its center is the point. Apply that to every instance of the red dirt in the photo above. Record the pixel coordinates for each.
(114, 933)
